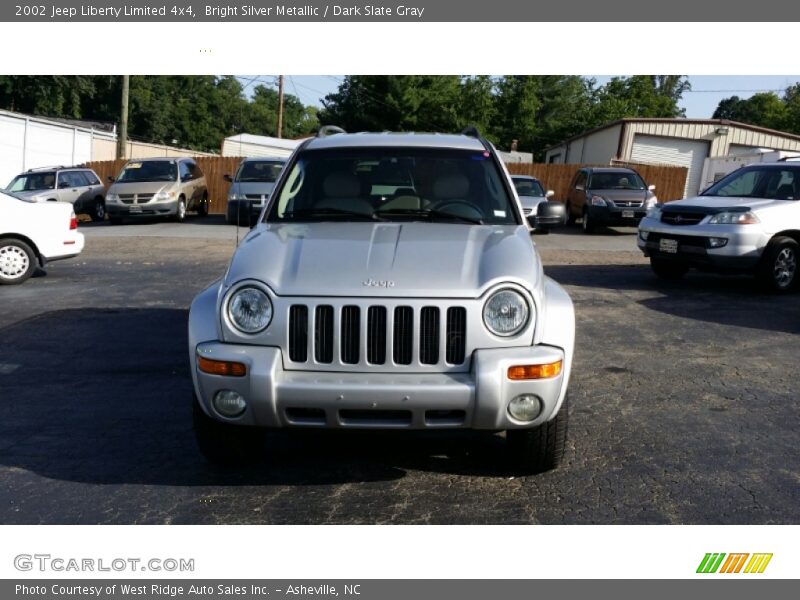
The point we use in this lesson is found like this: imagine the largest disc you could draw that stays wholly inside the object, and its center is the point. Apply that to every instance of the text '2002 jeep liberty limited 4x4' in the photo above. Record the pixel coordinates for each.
(391, 282)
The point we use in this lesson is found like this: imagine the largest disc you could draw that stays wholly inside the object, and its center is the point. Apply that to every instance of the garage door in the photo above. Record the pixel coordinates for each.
(651, 149)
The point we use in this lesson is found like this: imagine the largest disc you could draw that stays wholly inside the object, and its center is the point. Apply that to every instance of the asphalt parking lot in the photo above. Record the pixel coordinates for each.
(684, 404)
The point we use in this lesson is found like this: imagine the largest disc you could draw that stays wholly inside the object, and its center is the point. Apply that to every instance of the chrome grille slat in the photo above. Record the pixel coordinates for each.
(376, 335)
(350, 337)
(403, 351)
(323, 334)
(456, 335)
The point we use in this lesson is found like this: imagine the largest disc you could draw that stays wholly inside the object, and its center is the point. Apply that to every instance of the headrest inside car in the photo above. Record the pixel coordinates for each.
(448, 187)
(341, 185)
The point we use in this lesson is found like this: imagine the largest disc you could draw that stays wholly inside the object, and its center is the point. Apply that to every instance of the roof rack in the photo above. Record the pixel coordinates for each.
(327, 130)
(788, 158)
(47, 168)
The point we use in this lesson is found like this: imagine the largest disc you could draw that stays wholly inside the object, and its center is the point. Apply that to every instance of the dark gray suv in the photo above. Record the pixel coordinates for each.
(608, 196)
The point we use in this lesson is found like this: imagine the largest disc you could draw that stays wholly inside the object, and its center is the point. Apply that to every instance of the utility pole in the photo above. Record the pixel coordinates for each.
(122, 134)
(280, 106)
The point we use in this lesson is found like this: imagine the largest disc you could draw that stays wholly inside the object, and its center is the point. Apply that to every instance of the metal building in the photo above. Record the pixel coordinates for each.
(681, 142)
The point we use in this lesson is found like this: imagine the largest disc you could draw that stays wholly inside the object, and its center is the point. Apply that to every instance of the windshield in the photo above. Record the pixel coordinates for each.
(394, 184)
(33, 181)
(153, 170)
(624, 180)
(528, 187)
(261, 171)
(769, 182)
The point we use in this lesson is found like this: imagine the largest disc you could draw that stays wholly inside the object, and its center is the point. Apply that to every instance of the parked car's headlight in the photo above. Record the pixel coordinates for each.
(112, 198)
(651, 202)
(734, 218)
(160, 196)
(250, 310)
(599, 201)
(655, 212)
(506, 313)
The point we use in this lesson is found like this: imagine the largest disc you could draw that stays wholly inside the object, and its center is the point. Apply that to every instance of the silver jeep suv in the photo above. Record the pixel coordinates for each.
(748, 222)
(391, 284)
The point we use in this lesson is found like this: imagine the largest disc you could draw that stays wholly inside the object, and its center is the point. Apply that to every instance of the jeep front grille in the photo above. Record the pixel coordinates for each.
(377, 335)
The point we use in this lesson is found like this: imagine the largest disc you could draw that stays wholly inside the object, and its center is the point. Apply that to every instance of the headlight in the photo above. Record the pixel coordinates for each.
(506, 313)
(112, 198)
(160, 196)
(734, 218)
(599, 201)
(651, 202)
(250, 310)
(655, 212)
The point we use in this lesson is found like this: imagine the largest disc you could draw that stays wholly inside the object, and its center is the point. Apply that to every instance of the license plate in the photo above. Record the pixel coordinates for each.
(135, 209)
(668, 246)
(627, 214)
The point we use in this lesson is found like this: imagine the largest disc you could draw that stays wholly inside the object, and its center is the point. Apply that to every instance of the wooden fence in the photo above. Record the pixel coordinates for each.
(669, 180)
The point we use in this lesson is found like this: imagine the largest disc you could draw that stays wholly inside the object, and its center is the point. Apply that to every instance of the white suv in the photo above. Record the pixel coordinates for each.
(748, 222)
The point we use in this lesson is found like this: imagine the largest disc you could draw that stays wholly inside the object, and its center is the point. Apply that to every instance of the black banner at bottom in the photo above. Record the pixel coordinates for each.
(395, 589)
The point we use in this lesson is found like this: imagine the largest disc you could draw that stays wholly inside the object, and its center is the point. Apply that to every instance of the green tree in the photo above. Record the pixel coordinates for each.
(765, 109)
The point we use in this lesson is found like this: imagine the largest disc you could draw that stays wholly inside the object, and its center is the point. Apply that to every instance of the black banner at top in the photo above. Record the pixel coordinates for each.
(411, 11)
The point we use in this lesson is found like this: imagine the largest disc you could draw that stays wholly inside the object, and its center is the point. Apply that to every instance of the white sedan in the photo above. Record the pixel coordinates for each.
(34, 233)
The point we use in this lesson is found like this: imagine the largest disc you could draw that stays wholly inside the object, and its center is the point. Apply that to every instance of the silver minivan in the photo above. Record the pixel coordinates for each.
(157, 187)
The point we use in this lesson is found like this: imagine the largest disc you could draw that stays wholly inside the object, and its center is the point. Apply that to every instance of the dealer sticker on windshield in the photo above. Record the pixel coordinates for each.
(667, 245)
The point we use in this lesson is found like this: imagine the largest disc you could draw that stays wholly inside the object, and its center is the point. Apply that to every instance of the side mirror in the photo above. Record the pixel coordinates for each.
(651, 188)
(186, 177)
(549, 194)
(227, 178)
(580, 187)
(63, 184)
(111, 179)
(549, 214)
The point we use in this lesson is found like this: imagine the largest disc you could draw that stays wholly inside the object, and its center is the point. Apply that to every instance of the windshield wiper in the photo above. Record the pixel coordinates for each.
(430, 214)
(331, 212)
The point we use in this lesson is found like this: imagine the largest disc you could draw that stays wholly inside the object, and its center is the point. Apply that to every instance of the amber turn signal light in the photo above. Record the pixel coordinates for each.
(221, 367)
(520, 372)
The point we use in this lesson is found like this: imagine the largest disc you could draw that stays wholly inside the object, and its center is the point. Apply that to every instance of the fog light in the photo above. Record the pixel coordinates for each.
(643, 235)
(525, 407)
(229, 403)
(716, 242)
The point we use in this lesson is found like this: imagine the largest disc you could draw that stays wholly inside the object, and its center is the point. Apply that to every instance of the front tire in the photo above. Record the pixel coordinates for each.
(588, 223)
(668, 269)
(223, 443)
(99, 210)
(17, 261)
(542, 448)
(180, 211)
(778, 268)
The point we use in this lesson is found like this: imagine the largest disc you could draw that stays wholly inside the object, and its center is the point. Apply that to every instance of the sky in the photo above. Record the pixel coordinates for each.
(700, 103)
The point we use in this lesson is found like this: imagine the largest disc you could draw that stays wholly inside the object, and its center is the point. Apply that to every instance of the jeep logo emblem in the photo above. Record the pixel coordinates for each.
(384, 283)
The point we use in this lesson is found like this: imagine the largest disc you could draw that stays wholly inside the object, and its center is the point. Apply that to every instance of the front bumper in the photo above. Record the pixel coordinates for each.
(615, 215)
(244, 208)
(741, 252)
(149, 209)
(478, 399)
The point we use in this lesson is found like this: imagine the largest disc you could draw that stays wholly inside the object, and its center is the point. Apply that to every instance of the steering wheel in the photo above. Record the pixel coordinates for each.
(471, 212)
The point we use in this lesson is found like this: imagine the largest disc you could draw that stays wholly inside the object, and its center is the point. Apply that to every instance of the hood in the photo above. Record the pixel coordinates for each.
(531, 201)
(261, 188)
(424, 260)
(37, 195)
(718, 203)
(622, 194)
(141, 187)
